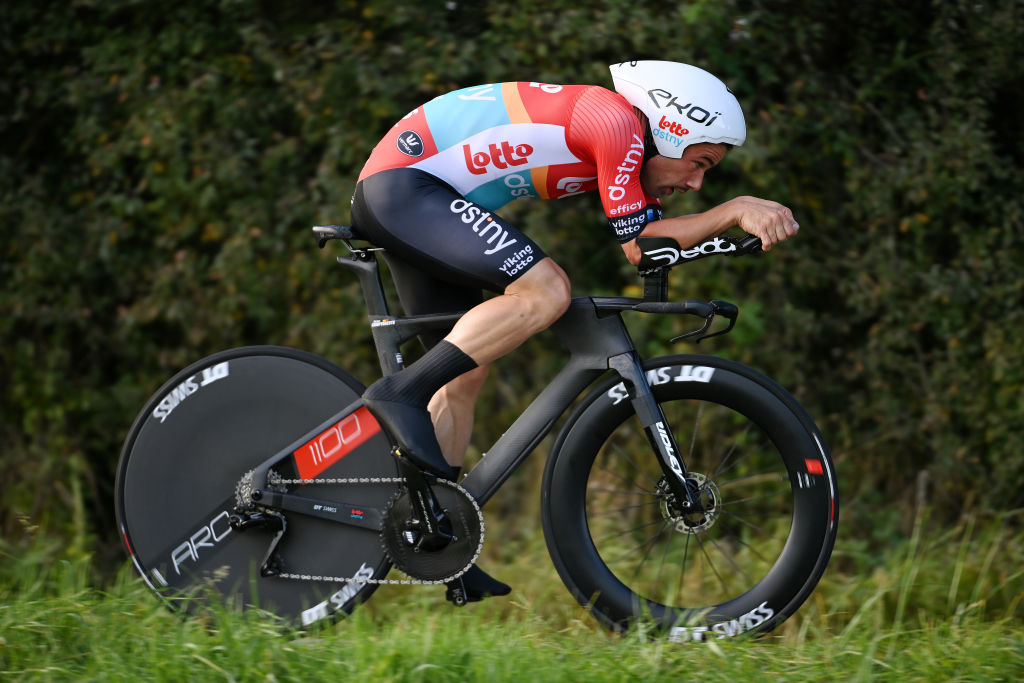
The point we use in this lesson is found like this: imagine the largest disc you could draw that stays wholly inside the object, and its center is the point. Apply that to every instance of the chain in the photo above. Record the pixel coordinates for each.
(244, 491)
(354, 480)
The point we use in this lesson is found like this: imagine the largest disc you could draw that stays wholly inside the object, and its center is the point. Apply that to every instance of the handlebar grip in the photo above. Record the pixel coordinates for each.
(750, 244)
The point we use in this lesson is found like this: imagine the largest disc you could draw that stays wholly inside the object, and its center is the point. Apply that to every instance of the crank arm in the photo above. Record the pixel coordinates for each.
(432, 523)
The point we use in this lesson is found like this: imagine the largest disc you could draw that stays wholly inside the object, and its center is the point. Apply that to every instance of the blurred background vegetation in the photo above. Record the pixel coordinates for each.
(161, 164)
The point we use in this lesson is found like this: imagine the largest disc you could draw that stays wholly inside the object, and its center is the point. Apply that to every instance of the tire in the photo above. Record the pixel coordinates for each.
(626, 550)
(184, 455)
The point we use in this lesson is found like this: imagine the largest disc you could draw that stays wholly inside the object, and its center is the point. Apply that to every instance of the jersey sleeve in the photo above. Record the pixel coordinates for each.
(603, 127)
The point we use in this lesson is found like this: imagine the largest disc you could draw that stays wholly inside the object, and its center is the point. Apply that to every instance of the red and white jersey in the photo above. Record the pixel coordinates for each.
(498, 142)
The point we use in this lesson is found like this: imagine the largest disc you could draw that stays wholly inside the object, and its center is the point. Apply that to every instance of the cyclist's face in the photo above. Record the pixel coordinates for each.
(661, 176)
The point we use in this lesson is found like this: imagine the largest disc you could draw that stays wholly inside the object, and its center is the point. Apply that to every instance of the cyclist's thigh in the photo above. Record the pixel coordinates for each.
(423, 221)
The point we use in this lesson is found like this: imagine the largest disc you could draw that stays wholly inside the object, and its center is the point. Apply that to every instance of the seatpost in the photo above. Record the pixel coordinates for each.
(364, 265)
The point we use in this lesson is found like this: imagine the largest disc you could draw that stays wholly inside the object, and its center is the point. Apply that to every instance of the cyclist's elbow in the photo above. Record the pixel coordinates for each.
(632, 252)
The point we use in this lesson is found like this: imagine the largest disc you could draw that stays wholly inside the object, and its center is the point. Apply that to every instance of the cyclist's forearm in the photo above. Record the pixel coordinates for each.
(686, 230)
(693, 228)
(770, 221)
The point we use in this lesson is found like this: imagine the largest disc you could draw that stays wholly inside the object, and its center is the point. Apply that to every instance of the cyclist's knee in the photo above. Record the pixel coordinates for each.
(545, 287)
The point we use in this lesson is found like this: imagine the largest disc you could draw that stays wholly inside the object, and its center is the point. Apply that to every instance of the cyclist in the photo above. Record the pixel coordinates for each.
(429, 192)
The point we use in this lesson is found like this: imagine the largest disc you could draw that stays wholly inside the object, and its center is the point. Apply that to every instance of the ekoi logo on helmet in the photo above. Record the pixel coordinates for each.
(695, 113)
(672, 131)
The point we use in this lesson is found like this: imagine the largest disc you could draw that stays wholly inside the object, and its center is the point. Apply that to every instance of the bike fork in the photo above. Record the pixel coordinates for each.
(659, 434)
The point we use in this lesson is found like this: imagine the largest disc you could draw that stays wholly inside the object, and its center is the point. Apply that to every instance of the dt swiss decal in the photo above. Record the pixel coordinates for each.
(665, 375)
(189, 387)
(501, 158)
(334, 443)
(338, 600)
(410, 144)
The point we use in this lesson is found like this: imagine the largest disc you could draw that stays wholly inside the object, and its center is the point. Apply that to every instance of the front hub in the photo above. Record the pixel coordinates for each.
(686, 517)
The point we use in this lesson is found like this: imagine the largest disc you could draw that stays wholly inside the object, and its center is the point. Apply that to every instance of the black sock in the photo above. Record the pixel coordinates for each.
(417, 383)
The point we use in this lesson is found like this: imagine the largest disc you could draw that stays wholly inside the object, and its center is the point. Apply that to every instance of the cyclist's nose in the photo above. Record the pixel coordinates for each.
(695, 181)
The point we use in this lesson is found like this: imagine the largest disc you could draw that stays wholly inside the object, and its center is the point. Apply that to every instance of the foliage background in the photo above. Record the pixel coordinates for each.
(161, 163)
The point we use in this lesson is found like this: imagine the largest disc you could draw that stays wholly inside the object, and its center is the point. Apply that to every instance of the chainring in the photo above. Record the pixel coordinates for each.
(451, 561)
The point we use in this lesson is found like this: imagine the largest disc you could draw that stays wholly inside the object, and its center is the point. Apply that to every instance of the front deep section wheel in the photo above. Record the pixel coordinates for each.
(750, 548)
(195, 440)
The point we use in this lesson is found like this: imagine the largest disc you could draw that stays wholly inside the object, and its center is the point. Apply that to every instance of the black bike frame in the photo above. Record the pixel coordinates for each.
(597, 339)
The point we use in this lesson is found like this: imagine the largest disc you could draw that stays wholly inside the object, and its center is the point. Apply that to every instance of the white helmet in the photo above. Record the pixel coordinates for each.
(684, 105)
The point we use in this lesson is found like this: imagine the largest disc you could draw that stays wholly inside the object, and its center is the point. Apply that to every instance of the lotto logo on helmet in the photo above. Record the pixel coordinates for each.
(671, 132)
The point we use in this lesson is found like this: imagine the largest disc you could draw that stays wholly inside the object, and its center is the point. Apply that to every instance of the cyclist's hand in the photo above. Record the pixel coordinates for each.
(769, 220)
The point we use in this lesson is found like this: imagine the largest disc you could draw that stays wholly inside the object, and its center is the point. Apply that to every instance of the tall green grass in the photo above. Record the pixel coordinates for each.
(939, 605)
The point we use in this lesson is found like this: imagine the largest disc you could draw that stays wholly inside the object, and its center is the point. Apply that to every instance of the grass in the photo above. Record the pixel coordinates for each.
(935, 607)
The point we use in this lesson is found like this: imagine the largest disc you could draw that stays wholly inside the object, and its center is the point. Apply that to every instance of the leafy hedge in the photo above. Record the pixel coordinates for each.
(161, 162)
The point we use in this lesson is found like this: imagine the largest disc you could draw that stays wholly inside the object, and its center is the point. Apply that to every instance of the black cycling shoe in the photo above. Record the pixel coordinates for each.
(412, 428)
(474, 586)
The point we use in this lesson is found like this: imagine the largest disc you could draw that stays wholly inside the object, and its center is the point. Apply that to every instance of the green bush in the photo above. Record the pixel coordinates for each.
(161, 162)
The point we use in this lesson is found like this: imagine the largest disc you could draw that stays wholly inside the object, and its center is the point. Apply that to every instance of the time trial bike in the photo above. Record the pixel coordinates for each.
(686, 491)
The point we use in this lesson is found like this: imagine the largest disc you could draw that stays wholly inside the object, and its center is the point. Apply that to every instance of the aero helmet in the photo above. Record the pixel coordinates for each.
(684, 105)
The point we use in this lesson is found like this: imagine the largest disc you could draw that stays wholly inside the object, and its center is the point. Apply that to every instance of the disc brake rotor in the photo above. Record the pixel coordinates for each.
(700, 518)
(399, 533)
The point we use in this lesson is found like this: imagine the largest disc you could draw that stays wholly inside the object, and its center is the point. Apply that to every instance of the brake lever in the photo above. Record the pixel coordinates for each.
(325, 233)
(726, 309)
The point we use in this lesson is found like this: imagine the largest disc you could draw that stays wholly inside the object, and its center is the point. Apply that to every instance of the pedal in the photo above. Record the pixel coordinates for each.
(456, 593)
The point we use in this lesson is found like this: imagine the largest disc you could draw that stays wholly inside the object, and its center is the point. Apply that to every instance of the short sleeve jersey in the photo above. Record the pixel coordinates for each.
(498, 142)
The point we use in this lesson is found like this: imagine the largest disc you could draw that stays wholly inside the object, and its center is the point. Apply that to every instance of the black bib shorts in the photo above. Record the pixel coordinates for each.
(442, 249)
